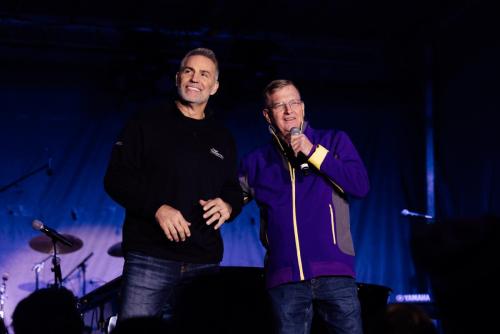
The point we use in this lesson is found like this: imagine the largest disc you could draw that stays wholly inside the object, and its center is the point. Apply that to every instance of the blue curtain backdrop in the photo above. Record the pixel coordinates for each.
(67, 116)
(71, 118)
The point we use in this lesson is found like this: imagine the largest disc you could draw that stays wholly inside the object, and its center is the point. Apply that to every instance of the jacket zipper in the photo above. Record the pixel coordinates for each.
(332, 221)
(295, 230)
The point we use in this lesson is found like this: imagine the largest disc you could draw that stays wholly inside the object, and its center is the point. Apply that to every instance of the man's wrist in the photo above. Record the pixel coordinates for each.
(311, 152)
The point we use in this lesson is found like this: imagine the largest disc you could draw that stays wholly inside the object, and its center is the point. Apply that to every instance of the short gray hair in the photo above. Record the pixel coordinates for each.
(275, 85)
(205, 53)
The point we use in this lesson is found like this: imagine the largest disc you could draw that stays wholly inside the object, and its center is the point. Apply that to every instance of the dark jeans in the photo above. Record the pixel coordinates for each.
(335, 300)
(150, 286)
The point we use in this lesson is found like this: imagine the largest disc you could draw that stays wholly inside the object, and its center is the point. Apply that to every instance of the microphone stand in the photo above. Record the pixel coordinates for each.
(83, 267)
(56, 266)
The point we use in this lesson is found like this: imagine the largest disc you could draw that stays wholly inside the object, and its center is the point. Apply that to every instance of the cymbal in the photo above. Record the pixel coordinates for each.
(116, 250)
(43, 244)
(31, 286)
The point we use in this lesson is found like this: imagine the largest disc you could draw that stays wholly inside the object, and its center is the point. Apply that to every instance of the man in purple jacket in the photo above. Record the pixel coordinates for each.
(301, 182)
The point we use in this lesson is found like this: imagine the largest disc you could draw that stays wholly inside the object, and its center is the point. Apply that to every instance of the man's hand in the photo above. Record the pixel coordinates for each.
(300, 143)
(173, 223)
(216, 210)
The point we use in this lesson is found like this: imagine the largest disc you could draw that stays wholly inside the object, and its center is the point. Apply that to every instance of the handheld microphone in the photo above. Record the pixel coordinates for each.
(53, 234)
(406, 212)
(304, 167)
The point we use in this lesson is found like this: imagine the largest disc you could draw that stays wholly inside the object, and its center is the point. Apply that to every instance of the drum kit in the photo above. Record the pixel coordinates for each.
(52, 246)
(116, 250)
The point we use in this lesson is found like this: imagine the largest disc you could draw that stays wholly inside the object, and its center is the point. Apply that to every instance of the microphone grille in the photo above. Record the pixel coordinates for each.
(294, 131)
(405, 212)
(37, 225)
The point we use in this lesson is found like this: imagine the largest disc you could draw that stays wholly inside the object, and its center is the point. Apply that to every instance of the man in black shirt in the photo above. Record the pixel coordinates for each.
(173, 169)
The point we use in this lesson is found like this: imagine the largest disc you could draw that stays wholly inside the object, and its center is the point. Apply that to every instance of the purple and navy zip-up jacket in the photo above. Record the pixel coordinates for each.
(305, 218)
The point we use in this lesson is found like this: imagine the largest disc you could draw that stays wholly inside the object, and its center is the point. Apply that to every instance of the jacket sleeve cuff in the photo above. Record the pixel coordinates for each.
(317, 158)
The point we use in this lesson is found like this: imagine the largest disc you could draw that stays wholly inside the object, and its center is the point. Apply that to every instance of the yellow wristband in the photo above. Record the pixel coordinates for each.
(318, 156)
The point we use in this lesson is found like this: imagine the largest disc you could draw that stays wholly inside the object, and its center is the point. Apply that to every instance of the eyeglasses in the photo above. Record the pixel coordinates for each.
(294, 105)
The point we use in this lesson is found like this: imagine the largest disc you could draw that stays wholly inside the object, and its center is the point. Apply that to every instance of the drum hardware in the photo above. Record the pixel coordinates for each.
(116, 250)
(82, 266)
(3, 295)
(46, 244)
(37, 267)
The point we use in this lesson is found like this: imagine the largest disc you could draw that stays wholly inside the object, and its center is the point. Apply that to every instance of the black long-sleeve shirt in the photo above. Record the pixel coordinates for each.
(163, 157)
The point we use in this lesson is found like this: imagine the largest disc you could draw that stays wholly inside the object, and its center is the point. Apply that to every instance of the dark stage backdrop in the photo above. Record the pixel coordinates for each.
(70, 115)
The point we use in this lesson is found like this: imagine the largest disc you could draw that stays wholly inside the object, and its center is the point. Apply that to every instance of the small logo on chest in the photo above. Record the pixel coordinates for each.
(216, 153)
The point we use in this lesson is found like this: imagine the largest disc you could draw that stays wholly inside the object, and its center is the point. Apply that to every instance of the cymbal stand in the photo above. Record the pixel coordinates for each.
(3, 295)
(83, 268)
(37, 268)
